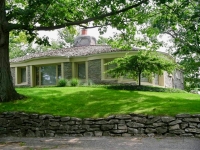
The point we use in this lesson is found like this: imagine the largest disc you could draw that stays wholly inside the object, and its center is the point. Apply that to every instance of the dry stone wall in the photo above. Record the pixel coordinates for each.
(94, 70)
(34, 125)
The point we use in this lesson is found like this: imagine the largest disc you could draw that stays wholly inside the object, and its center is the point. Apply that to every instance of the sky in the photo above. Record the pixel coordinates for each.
(94, 32)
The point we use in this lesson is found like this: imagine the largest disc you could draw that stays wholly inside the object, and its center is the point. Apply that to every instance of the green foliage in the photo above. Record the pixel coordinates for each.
(145, 88)
(66, 37)
(62, 82)
(191, 71)
(103, 41)
(74, 82)
(19, 45)
(143, 63)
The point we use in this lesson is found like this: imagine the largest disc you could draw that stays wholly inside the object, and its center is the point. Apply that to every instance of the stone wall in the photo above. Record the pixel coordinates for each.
(13, 74)
(34, 125)
(178, 79)
(94, 71)
(168, 80)
(67, 70)
(174, 80)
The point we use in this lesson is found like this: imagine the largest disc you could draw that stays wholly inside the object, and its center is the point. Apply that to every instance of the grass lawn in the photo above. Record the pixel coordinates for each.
(96, 102)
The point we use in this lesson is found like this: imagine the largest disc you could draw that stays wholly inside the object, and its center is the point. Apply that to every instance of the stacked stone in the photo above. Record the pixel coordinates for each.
(35, 125)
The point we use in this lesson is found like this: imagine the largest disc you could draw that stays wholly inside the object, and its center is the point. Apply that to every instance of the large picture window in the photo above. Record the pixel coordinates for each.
(23, 75)
(81, 71)
(48, 75)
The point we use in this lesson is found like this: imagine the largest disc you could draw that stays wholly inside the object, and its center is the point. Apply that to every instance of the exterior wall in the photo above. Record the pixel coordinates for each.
(94, 70)
(168, 80)
(35, 125)
(174, 80)
(67, 70)
(12, 69)
(94, 67)
(178, 79)
(28, 76)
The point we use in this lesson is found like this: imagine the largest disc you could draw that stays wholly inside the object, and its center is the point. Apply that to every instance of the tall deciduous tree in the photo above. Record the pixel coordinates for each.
(191, 64)
(143, 63)
(31, 16)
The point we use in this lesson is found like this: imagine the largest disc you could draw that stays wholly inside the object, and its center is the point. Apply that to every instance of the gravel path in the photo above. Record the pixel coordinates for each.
(100, 143)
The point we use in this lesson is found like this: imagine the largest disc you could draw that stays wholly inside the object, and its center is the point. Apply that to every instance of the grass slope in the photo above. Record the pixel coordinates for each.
(100, 102)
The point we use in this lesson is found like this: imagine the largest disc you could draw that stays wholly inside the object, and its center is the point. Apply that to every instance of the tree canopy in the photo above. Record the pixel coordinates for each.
(31, 16)
(143, 63)
(153, 17)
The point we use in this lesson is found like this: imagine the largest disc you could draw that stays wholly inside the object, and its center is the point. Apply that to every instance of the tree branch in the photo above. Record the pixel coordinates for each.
(79, 22)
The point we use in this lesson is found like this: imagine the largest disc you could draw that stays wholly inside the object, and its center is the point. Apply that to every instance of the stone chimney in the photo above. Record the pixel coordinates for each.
(84, 39)
(84, 31)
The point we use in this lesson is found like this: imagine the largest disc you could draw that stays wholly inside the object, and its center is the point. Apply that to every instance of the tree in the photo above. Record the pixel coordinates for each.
(102, 40)
(66, 37)
(31, 16)
(143, 63)
(191, 65)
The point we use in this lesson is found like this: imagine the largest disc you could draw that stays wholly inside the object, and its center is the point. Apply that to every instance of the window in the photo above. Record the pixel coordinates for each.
(21, 75)
(47, 75)
(81, 71)
(108, 67)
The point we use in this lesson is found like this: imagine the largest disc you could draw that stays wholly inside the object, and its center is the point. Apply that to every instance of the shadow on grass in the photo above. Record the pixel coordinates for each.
(100, 102)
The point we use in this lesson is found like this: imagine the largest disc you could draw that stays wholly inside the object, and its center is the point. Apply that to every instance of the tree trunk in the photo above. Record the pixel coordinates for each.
(7, 91)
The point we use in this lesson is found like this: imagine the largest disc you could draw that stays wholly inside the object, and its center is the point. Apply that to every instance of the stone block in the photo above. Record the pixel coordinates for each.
(150, 130)
(118, 131)
(113, 121)
(133, 131)
(159, 124)
(153, 120)
(98, 133)
(135, 125)
(63, 119)
(175, 122)
(54, 124)
(161, 130)
(183, 115)
(3, 121)
(184, 125)
(107, 127)
(174, 127)
(167, 119)
(124, 117)
(191, 120)
(30, 133)
(101, 122)
(122, 127)
(192, 125)
(88, 134)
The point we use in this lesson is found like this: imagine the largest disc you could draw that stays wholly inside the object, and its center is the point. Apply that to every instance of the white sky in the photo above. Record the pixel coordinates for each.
(94, 32)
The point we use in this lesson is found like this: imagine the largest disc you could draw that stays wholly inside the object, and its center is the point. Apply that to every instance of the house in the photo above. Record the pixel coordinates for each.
(84, 61)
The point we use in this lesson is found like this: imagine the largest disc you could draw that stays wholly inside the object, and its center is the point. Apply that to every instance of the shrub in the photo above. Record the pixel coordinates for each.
(74, 82)
(145, 88)
(62, 83)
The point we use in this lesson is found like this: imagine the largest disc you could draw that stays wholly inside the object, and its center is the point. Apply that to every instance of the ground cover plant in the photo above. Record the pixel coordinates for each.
(96, 102)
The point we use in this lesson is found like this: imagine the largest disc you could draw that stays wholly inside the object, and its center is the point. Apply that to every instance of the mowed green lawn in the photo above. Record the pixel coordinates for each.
(96, 102)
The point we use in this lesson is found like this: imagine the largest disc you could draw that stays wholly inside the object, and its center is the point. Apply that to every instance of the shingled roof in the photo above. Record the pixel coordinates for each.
(70, 52)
